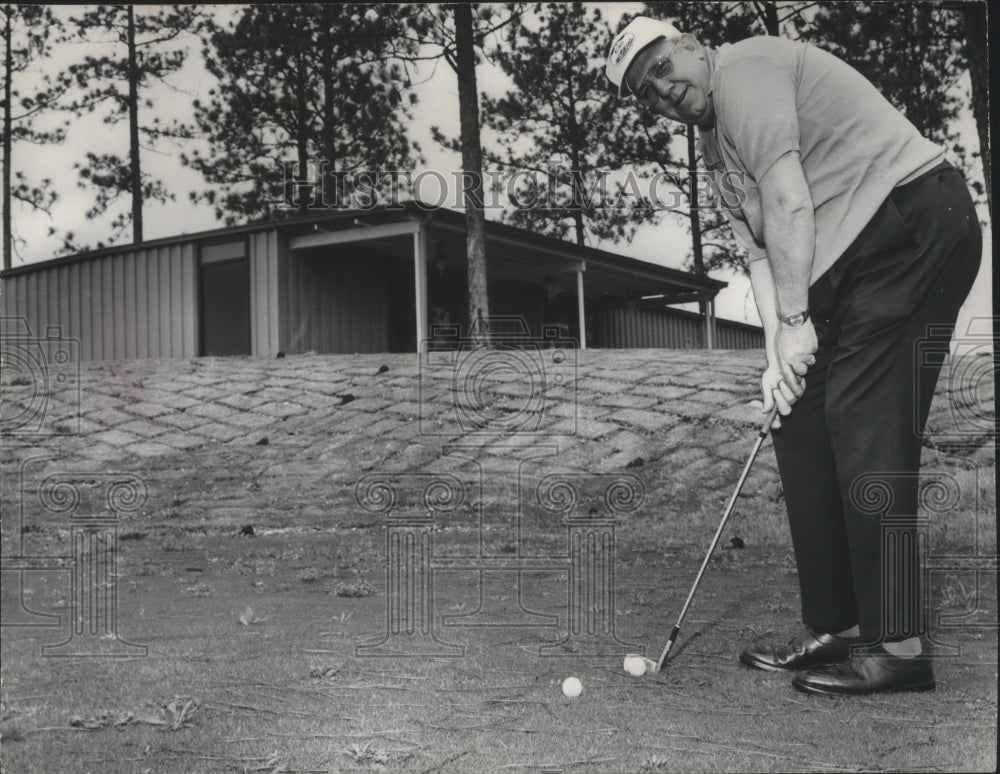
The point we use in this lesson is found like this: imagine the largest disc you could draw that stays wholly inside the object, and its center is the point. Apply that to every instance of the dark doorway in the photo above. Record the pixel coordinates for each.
(225, 301)
(401, 306)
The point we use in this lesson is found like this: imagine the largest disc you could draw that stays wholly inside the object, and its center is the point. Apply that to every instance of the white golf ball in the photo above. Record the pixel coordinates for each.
(572, 687)
(635, 665)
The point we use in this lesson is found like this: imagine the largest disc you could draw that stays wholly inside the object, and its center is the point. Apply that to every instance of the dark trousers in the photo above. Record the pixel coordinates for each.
(849, 453)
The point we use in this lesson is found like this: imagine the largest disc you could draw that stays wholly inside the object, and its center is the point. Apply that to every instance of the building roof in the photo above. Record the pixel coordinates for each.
(512, 253)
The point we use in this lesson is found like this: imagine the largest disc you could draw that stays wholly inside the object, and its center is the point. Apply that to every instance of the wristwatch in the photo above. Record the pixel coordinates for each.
(796, 320)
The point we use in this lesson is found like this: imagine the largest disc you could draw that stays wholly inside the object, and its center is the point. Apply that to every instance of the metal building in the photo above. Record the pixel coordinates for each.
(379, 280)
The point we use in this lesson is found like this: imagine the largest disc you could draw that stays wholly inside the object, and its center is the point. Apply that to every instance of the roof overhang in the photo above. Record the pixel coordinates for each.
(512, 253)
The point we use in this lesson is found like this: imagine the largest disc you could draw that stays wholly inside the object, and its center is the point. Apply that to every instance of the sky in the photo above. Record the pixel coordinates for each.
(666, 243)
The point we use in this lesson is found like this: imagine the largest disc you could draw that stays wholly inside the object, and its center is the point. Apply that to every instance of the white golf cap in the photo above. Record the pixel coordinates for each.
(638, 34)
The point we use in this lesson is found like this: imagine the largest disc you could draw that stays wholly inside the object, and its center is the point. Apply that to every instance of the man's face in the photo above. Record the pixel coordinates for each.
(672, 79)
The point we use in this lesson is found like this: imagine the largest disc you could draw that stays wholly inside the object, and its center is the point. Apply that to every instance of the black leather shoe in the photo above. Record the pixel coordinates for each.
(809, 650)
(871, 671)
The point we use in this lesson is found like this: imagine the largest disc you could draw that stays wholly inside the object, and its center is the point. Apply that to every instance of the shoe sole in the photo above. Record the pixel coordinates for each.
(825, 691)
(765, 667)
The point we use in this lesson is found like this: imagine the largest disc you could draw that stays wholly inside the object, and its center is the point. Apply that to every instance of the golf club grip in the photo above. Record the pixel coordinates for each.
(766, 427)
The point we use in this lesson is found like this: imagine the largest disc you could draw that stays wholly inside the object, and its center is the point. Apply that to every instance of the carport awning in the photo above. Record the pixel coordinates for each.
(512, 253)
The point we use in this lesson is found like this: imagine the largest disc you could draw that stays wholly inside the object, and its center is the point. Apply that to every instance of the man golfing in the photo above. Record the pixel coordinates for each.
(862, 241)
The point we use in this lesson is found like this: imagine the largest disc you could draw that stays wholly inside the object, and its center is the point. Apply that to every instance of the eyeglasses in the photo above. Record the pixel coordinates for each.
(661, 68)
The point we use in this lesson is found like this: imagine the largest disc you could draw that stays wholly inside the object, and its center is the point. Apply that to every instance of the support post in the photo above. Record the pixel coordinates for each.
(710, 324)
(420, 286)
(581, 311)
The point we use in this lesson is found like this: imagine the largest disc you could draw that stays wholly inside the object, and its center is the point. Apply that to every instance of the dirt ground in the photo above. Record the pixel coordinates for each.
(262, 611)
(259, 637)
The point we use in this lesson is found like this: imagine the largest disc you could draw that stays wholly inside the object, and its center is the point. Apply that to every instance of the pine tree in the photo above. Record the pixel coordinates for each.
(143, 51)
(561, 101)
(310, 93)
(472, 166)
(460, 31)
(975, 52)
(28, 33)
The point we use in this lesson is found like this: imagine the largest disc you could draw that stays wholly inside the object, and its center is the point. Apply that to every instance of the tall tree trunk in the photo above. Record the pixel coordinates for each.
(302, 135)
(7, 138)
(328, 175)
(696, 251)
(769, 13)
(699, 260)
(135, 172)
(579, 204)
(578, 192)
(472, 166)
(576, 173)
(977, 56)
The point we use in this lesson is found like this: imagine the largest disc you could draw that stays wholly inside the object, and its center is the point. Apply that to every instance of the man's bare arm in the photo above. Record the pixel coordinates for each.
(789, 231)
(790, 237)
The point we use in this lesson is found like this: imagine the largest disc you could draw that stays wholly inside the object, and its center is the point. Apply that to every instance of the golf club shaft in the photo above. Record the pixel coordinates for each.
(764, 430)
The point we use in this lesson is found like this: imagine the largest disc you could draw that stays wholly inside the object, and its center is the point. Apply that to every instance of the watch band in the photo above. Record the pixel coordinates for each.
(795, 320)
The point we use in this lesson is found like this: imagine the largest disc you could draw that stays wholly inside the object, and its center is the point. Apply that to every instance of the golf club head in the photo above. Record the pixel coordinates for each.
(666, 648)
(649, 665)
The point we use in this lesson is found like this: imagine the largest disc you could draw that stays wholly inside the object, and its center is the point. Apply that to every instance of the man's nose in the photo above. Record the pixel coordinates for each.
(665, 89)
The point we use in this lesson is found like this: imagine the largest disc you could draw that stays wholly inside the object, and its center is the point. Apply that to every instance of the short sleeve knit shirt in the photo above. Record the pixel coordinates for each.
(772, 96)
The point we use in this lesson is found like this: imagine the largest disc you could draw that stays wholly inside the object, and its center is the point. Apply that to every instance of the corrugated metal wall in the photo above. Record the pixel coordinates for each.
(268, 250)
(734, 336)
(143, 303)
(335, 300)
(522, 301)
(641, 328)
(135, 304)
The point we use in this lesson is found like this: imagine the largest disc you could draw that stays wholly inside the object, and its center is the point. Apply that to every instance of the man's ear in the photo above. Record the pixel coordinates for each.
(691, 43)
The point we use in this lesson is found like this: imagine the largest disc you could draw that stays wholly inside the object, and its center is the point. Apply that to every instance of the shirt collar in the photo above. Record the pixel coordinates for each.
(710, 57)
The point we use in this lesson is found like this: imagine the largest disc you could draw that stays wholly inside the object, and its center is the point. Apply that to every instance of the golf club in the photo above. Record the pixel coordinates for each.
(764, 430)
